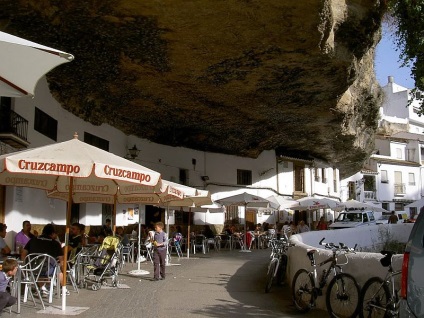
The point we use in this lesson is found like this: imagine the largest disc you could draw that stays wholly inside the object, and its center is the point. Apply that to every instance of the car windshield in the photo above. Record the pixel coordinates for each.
(350, 217)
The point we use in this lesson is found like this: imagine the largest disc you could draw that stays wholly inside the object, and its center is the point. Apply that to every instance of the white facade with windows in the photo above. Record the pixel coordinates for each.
(223, 175)
(394, 172)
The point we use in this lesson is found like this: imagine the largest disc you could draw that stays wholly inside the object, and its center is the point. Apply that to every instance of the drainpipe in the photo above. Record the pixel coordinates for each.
(278, 178)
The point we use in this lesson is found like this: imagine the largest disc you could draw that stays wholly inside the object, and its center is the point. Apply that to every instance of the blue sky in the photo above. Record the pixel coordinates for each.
(387, 63)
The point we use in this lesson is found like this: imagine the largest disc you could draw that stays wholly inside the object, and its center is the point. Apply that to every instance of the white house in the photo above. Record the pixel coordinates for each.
(393, 176)
(41, 120)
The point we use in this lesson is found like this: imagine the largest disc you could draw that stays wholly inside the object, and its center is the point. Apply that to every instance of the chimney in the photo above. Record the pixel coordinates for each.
(391, 79)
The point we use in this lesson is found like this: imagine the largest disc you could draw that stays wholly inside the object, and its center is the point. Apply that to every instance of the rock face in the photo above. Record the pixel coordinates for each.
(236, 77)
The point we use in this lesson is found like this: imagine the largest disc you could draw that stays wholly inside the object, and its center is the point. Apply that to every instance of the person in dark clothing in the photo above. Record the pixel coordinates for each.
(106, 228)
(207, 232)
(45, 244)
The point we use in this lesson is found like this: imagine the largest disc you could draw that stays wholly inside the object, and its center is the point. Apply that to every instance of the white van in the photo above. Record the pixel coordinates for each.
(353, 218)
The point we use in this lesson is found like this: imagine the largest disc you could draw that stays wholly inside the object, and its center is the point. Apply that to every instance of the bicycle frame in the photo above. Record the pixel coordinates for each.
(333, 268)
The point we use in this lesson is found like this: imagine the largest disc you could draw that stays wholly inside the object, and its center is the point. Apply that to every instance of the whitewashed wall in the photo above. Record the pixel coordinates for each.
(361, 265)
(221, 169)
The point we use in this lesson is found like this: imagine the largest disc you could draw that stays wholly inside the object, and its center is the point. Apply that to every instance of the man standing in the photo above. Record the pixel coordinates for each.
(393, 219)
(23, 237)
(159, 251)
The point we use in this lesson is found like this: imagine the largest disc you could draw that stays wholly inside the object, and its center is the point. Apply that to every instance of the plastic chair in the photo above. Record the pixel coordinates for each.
(237, 240)
(199, 242)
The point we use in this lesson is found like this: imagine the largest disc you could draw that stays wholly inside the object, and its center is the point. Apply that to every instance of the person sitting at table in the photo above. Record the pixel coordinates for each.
(122, 236)
(302, 227)
(207, 232)
(23, 236)
(76, 241)
(106, 228)
(4, 249)
(46, 244)
(9, 269)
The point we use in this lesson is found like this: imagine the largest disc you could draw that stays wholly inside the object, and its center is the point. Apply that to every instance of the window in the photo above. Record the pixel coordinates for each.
(96, 141)
(231, 214)
(384, 178)
(285, 164)
(369, 183)
(385, 206)
(412, 212)
(183, 178)
(398, 153)
(317, 176)
(324, 176)
(335, 179)
(411, 179)
(398, 206)
(45, 124)
(244, 177)
(352, 190)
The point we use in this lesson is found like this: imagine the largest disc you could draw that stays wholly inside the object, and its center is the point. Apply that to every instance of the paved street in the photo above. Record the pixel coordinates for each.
(218, 284)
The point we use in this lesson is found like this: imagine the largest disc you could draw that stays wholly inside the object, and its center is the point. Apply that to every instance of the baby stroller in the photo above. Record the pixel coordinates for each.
(104, 265)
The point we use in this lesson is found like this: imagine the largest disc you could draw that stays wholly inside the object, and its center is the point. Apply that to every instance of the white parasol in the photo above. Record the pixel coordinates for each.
(24, 63)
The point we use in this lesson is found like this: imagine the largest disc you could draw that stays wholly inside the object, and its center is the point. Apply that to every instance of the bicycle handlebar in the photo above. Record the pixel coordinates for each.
(341, 246)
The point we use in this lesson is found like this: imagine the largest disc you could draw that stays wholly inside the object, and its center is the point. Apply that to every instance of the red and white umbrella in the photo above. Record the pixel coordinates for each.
(75, 167)
(24, 63)
(313, 203)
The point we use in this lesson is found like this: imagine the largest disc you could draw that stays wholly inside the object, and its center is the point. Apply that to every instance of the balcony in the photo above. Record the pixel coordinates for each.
(400, 189)
(13, 129)
(370, 195)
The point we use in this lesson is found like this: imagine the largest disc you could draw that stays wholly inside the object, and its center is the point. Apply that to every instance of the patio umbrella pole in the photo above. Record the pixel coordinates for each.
(188, 233)
(114, 216)
(138, 271)
(245, 231)
(65, 256)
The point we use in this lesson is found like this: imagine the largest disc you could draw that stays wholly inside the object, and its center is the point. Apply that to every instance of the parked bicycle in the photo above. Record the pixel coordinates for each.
(379, 297)
(342, 297)
(277, 266)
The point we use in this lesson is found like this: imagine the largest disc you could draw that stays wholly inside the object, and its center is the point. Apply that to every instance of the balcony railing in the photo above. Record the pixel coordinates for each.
(370, 195)
(14, 129)
(400, 188)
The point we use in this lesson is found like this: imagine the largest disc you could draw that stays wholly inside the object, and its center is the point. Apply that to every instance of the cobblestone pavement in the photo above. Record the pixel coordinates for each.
(217, 284)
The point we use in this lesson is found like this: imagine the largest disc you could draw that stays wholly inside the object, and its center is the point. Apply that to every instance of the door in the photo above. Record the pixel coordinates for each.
(250, 219)
(299, 172)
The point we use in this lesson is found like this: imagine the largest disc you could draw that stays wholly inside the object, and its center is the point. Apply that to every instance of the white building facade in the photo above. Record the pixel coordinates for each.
(47, 122)
(393, 176)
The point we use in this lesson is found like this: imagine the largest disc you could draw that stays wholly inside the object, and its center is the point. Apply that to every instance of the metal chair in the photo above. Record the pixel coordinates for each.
(175, 245)
(149, 251)
(31, 271)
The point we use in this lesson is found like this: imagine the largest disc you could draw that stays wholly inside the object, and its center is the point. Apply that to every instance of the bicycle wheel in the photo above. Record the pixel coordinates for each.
(270, 275)
(375, 296)
(303, 290)
(281, 274)
(342, 296)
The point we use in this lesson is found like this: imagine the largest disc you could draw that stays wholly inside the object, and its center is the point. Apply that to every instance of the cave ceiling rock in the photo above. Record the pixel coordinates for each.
(236, 77)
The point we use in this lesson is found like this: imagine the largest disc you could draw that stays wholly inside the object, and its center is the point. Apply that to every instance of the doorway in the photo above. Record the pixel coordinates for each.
(250, 219)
